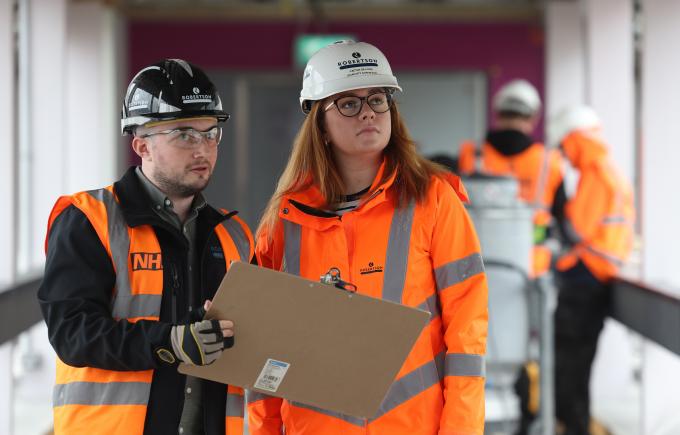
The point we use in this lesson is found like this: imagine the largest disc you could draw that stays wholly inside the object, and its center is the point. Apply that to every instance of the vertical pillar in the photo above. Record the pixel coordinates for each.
(7, 191)
(8, 148)
(660, 206)
(69, 134)
(7, 143)
(565, 56)
(609, 72)
(91, 102)
(41, 132)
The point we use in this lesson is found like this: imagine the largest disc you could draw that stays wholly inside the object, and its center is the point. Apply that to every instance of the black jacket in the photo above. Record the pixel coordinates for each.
(75, 298)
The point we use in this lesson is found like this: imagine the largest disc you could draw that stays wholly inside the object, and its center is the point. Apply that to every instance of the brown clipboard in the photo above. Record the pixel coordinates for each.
(310, 342)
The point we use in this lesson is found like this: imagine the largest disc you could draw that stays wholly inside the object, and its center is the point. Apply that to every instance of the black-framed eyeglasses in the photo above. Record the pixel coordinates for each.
(190, 138)
(351, 105)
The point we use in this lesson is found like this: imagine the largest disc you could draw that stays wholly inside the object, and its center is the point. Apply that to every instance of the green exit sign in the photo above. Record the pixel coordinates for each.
(305, 46)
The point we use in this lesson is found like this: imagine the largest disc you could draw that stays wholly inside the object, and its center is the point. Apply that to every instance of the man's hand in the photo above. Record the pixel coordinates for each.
(201, 343)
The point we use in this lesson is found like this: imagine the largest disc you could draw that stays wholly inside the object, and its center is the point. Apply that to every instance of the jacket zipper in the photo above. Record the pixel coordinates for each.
(175, 288)
(376, 193)
(350, 257)
(189, 277)
(202, 279)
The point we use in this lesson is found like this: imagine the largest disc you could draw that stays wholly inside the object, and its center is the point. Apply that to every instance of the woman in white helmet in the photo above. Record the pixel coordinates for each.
(355, 195)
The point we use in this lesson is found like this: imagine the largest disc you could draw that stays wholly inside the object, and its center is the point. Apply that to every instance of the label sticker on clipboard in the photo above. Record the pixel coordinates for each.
(272, 375)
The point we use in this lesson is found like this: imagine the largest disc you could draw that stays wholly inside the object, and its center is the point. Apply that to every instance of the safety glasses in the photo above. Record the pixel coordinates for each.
(190, 138)
(351, 105)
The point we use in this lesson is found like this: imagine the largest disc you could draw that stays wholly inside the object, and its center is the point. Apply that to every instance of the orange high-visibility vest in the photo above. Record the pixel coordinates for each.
(601, 215)
(539, 172)
(87, 399)
(422, 255)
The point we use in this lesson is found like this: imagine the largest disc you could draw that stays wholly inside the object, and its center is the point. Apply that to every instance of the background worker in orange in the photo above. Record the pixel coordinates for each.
(356, 195)
(510, 150)
(597, 226)
(131, 268)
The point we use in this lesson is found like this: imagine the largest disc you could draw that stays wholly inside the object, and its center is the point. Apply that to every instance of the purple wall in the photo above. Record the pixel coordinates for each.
(503, 50)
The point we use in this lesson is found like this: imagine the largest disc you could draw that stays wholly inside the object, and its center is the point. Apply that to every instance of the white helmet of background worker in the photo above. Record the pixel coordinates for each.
(518, 96)
(577, 117)
(344, 66)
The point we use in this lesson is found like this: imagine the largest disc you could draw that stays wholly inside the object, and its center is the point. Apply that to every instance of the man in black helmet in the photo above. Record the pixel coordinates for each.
(132, 267)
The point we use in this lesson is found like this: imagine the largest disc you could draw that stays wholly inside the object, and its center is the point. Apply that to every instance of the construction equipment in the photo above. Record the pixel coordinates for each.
(520, 308)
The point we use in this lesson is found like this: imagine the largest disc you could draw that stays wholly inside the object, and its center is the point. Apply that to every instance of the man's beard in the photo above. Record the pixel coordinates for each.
(173, 186)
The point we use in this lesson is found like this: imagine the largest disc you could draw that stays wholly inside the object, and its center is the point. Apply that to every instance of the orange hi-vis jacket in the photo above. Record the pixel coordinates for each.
(601, 215)
(422, 255)
(539, 172)
(92, 400)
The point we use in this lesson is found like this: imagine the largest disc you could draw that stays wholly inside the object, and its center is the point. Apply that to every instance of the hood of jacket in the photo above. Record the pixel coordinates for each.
(584, 148)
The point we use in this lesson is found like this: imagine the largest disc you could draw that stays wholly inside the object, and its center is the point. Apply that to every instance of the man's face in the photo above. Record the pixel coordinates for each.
(173, 158)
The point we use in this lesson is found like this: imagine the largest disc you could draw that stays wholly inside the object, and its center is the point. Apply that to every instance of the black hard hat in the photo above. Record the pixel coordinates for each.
(170, 89)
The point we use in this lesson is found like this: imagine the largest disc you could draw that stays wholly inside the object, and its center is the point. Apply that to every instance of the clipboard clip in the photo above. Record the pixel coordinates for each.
(332, 277)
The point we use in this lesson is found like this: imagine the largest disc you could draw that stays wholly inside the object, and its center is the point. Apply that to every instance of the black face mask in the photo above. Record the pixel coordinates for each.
(509, 142)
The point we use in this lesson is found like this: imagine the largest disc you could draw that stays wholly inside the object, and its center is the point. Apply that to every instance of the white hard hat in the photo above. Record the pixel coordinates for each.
(344, 66)
(569, 119)
(517, 96)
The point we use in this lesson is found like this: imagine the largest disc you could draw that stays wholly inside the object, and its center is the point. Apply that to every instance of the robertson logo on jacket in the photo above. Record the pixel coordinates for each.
(146, 261)
(372, 268)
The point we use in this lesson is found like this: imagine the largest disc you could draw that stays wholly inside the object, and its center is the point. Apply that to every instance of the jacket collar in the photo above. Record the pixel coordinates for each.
(137, 206)
(458, 187)
(307, 205)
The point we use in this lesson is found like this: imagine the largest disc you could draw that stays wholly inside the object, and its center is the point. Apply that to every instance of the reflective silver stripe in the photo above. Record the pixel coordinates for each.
(537, 203)
(234, 405)
(254, 396)
(431, 304)
(291, 253)
(409, 386)
(99, 393)
(458, 271)
(124, 304)
(396, 259)
(130, 307)
(348, 418)
(402, 390)
(464, 364)
(609, 257)
(240, 238)
(614, 220)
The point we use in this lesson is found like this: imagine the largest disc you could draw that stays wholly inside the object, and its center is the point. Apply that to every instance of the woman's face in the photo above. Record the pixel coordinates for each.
(365, 134)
